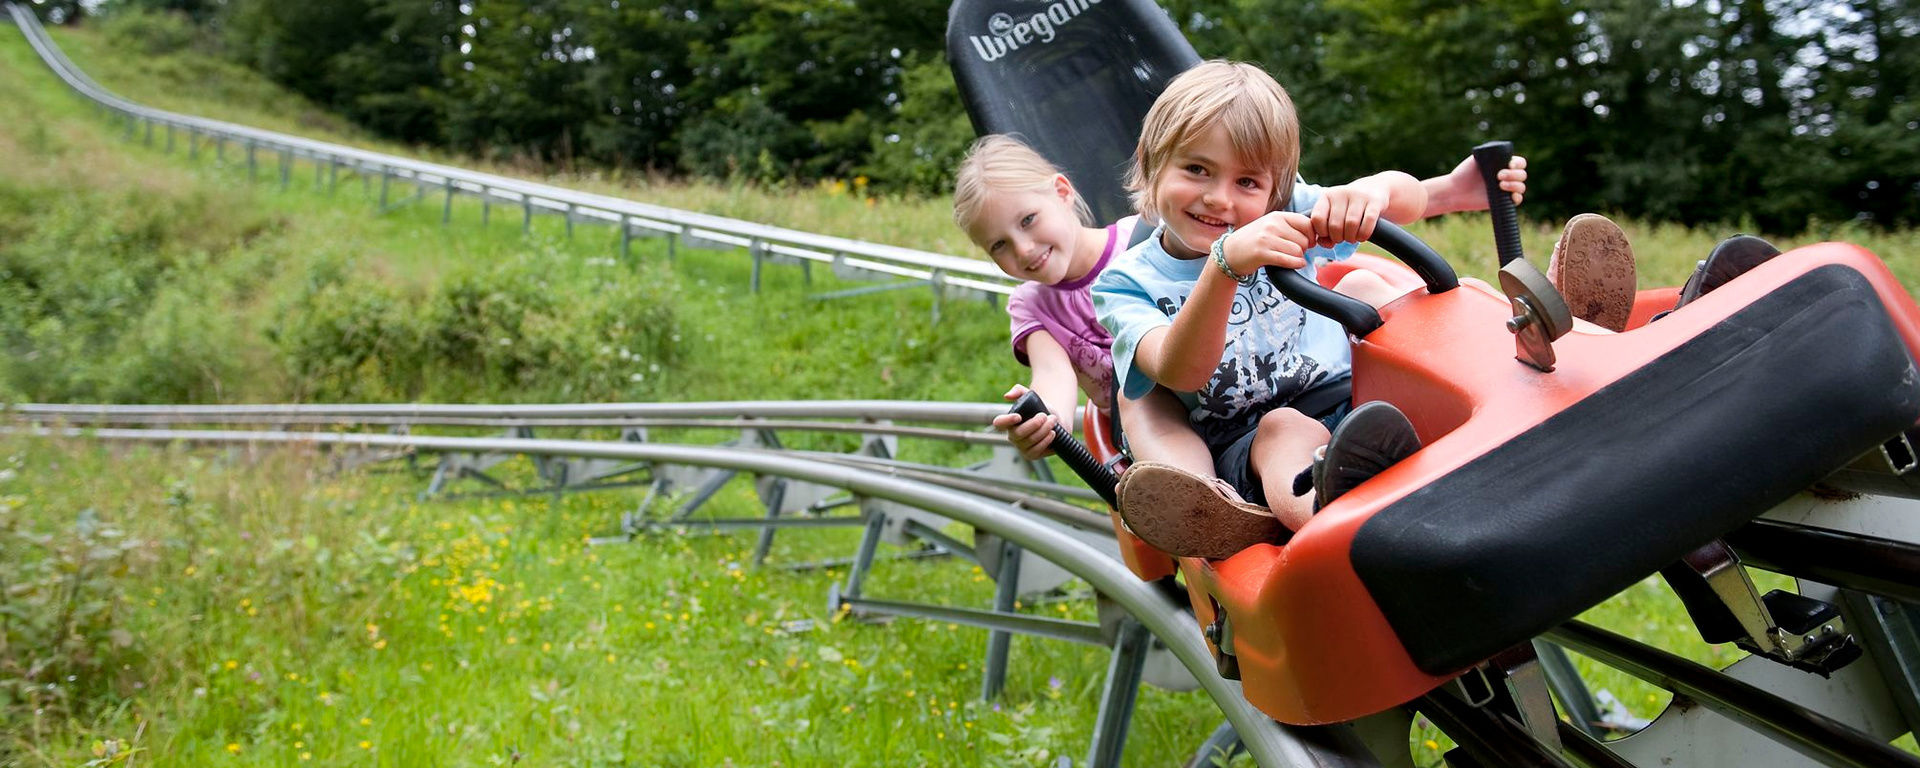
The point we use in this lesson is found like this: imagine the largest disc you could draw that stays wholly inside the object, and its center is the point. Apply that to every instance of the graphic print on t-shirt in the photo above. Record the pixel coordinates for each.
(1261, 365)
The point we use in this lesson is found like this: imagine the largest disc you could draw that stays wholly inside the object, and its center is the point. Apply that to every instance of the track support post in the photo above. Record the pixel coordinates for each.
(1129, 660)
(1006, 588)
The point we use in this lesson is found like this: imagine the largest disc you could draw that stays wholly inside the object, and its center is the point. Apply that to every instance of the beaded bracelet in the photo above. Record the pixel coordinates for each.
(1220, 260)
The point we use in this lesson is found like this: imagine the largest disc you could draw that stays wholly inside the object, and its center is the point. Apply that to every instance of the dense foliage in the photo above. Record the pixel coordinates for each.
(1768, 112)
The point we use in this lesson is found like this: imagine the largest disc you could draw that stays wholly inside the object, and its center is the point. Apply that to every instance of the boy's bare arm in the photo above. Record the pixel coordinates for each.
(1183, 356)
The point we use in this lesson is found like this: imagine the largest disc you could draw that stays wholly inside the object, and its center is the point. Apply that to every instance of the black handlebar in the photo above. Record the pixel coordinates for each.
(1097, 475)
(1492, 157)
(1358, 317)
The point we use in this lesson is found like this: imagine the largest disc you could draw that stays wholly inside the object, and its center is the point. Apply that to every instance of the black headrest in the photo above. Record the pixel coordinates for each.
(1073, 78)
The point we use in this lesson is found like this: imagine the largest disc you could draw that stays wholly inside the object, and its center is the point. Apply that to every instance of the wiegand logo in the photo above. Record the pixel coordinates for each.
(1007, 34)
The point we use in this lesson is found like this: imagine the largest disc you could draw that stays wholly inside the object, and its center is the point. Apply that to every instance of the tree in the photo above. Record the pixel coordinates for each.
(516, 83)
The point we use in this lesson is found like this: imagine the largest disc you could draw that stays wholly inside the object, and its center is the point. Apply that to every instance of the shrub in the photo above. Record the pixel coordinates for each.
(523, 329)
(63, 602)
(153, 33)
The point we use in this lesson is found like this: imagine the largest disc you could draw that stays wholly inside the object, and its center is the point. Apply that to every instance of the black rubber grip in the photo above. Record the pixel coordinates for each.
(1358, 317)
(1070, 450)
(1492, 157)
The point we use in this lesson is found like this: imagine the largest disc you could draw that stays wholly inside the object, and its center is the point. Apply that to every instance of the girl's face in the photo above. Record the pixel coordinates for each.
(1205, 187)
(1029, 234)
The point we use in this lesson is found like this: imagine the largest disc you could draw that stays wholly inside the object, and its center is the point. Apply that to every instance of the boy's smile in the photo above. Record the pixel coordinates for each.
(1204, 188)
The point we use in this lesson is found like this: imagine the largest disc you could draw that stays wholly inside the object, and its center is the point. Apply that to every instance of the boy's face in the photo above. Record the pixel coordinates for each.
(1204, 187)
(1030, 235)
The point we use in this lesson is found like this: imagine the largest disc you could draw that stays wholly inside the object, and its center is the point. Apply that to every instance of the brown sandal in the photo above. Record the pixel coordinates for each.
(1187, 515)
(1593, 267)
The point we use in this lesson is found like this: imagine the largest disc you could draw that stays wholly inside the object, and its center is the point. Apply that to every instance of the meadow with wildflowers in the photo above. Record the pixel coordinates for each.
(190, 606)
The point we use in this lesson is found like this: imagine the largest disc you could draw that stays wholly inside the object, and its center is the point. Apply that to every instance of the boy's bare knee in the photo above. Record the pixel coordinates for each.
(1286, 425)
(1368, 287)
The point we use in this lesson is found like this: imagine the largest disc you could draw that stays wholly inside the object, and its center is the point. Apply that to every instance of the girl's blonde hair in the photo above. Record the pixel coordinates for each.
(1002, 163)
(1256, 112)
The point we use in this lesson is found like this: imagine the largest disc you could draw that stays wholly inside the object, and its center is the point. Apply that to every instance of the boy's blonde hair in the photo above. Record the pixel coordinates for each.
(1002, 163)
(1257, 113)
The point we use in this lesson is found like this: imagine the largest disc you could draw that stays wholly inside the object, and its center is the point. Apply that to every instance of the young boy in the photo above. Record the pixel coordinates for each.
(1191, 309)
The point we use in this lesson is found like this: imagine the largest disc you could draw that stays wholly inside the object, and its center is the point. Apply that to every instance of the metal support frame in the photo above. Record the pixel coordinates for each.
(757, 250)
(1567, 686)
(1813, 735)
(1117, 700)
(1889, 630)
(1005, 597)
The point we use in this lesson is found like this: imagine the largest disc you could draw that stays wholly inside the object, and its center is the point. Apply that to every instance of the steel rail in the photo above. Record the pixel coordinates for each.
(987, 488)
(929, 472)
(930, 433)
(762, 241)
(1270, 743)
(977, 414)
(864, 418)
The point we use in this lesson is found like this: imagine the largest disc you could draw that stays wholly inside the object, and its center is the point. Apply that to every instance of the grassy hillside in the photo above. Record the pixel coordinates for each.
(119, 250)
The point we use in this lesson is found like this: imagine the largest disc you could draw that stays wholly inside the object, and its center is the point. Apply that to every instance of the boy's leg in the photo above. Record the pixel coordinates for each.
(1733, 257)
(1372, 438)
(1368, 287)
(1593, 267)
(1282, 446)
(1158, 431)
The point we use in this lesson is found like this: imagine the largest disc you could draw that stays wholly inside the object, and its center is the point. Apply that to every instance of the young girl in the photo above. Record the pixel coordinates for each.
(1027, 216)
(1191, 310)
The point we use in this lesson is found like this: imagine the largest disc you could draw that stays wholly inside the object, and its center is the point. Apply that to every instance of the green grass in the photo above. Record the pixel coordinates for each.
(272, 612)
(247, 607)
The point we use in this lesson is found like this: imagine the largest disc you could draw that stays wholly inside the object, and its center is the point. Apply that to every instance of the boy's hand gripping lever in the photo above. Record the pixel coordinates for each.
(1097, 475)
(1540, 314)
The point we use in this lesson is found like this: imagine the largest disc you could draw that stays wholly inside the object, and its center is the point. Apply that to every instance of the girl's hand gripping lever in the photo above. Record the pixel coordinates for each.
(1070, 450)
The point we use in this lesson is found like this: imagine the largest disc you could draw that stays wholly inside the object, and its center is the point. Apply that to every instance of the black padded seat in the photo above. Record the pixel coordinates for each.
(1625, 481)
(1073, 78)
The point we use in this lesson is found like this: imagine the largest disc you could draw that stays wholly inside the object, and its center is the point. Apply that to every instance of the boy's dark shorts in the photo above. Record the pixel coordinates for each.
(1233, 453)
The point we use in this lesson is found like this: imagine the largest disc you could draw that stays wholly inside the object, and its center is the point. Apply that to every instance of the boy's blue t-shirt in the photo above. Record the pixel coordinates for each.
(1275, 350)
